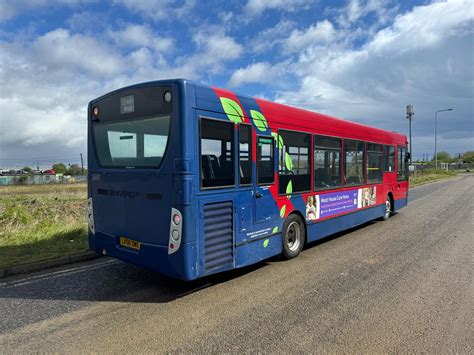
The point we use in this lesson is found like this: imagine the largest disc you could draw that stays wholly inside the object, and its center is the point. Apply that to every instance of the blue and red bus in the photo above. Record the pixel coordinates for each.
(191, 180)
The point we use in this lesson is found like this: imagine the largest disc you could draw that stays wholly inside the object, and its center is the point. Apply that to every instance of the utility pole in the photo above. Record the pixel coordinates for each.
(82, 165)
(410, 114)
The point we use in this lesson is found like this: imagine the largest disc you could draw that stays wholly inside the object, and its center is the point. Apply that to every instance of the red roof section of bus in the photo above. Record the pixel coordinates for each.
(283, 116)
(286, 115)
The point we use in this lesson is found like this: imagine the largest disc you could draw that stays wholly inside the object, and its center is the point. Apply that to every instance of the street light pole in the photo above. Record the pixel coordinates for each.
(410, 113)
(436, 120)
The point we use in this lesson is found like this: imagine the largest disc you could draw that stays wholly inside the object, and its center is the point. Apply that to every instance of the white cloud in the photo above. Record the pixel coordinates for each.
(356, 10)
(9, 9)
(418, 29)
(54, 124)
(159, 10)
(256, 7)
(61, 48)
(319, 33)
(217, 46)
(50, 81)
(213, 50)
(255, 73)
(142, 57)
(42, 106)
(134, 35)
(270, 37)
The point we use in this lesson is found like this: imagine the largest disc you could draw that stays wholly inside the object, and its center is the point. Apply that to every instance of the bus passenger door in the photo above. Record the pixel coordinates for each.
(402, 173)
(265, 206)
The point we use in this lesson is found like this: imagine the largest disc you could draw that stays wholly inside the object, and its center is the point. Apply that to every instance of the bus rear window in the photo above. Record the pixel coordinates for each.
(136, 143)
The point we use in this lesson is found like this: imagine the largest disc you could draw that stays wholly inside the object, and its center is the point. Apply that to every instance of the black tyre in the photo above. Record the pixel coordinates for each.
(293, 237)
(388, 208)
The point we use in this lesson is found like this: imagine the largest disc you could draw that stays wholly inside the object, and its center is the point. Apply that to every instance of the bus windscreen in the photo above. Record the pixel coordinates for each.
(137, 143)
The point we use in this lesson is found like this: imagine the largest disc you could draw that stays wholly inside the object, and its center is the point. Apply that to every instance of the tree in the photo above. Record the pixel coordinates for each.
(444, 157)
(27, 169)
(59, 168)
(468, 157)
(74, 169)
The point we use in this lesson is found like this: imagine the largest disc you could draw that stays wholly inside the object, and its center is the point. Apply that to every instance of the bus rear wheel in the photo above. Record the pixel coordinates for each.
(388, 208)
(293, 237)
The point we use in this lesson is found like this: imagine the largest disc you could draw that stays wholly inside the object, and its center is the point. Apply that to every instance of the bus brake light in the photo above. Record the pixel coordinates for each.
(176, 219)
(176, 227)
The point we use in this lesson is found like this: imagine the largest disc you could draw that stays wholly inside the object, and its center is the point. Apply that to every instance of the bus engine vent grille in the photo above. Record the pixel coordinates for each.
(218, 236)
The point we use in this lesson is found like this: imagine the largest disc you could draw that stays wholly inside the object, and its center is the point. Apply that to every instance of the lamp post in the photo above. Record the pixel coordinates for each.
(436, 119)
(410, 113)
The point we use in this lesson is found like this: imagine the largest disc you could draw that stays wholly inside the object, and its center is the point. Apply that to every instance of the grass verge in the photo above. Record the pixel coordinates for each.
(430, 175)
(41, 222)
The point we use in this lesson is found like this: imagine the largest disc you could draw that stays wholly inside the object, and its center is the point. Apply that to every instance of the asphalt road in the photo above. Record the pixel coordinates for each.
(405, 285)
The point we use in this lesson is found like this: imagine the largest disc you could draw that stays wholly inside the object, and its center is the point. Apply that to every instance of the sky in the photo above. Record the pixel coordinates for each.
(363, 61)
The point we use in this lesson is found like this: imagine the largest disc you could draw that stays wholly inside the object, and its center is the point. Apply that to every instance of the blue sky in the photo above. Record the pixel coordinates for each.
(359, 60)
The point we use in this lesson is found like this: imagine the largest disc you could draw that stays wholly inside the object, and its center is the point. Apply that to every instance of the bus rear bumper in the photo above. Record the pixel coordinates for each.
(179, 265)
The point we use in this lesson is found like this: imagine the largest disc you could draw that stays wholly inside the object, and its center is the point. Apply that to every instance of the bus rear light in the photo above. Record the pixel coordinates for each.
(175, 231)
(175, 235)
(177, 219)
(95, 111)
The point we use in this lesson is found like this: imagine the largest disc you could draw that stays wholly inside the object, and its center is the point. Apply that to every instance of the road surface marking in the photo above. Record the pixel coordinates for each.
(70, 271)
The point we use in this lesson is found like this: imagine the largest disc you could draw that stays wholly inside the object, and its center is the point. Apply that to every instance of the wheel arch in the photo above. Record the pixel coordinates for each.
(392, 202)
(300, 215)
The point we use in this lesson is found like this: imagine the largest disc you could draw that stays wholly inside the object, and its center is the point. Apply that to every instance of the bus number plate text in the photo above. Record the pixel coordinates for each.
(129, 243)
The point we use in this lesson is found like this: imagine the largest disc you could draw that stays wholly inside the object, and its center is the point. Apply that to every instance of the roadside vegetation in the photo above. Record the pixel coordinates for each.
(40, 222)
(430, 175)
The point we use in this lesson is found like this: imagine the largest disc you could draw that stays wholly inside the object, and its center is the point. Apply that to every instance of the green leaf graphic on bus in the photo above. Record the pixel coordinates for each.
(275, 230)
(278, 140)
(232, 110)
(265, 243)
(282, 211)
(288, 162)
(259, 120)
(289, 188)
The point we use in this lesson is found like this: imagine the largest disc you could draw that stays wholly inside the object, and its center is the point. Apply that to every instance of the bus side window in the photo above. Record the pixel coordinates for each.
(245, 157)
(327, 163)
(374, 162)
(388, 158)
(217, 153)
(265, 160)
(353, 163)
(294, 161)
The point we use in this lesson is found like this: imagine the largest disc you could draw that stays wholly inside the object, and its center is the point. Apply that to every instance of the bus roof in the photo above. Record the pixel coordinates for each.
(297, 119)
(282, 116)
(327, 124)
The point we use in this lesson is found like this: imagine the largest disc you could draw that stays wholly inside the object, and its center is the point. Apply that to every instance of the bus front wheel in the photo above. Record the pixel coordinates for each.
(388, 208)
(294, 236)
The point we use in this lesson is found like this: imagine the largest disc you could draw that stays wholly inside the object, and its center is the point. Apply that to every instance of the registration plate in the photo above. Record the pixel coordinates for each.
(129, 243)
